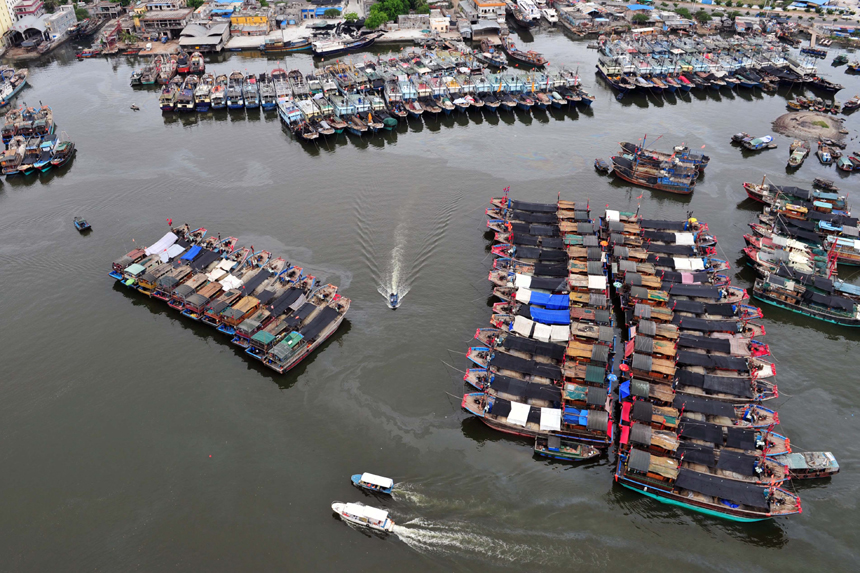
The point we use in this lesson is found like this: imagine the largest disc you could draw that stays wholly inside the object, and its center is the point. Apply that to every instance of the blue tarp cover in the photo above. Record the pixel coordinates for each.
(192, 252)
(639, 7)
(550, 301)
(545, 316)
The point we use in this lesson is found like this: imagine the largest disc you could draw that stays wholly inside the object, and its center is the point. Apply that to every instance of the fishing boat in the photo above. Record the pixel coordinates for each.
(491, 55)
(167, 99)
(759, 143)
(268, 97)
(12, 157)
(530, 58)
(31, 155)
(560, 449)
(183, 62)
(661, 479)
(826, 184)
(334, 45)
(149, 75)
(167, 70)
(250, 92)
(235, 99)
(279, 45)
(393, 300)
(809, 465)
(197, 65)
(663, 181)
(791, 295)
(798, 152)
(185, 96)
(46, 152)
(203, 93)
(13, 83)
(63, 153)
(218, 95)
(364, 516)
(680, 155)
(88, 53)
(844, 164)
(373, 483)
(81, 225)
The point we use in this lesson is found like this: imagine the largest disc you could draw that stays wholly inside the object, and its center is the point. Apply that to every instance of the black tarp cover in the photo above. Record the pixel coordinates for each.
(698, 307)
(527, 240)
(640, 434)
(294, 320)
(312, 329)
(639, 461)
(536, 253)
(696, 454)
(734, 386)
(280, 304)
(517, 364)
(746, 494)
(702, 325)
(690, 358)
(534, 347)
(737, 462)
(670, 249)
(204, 260)
(704, 406)
(702, 431)
(662, 236)
(549, 270)
(533, 207)
(705, 342)
(527, 217)
(537, 230)
(835, 302)
(500, 408)
(265, 296)
(642, 411)
(700, 291)
(255, 281)
(525, 390)
(662, 225)
(549, 284)
(590, 241)
(740, 438)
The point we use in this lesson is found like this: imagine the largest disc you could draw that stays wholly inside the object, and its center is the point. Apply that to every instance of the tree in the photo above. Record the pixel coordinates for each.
(683, 12)
(81, 14)
(264, 4)
(640, 18)
(376, 19)
(350, 16)
(332, 13)
(703, 17)
(50, 6)
(728, 3)
(195, 3)
(717, 14)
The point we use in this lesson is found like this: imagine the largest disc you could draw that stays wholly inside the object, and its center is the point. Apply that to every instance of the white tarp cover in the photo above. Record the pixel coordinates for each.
(697, 264)
(613, 215)
(171, 253)
(560, 332)
(373, 513)
(216, 275)
(682, 264)
(376, 480)
(519, 414)
(162, 244)
(596, 282)
(542, 332)
(524, 295)
(226, 264)
(523, 326)
(523, 281)
(231, 282)
(777, 240)
(684, 239)
(550, 419)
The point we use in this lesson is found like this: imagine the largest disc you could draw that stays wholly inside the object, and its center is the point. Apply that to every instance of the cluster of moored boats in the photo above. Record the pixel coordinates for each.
(12, 81)
(31, 144)
(674, 172)
(278, 314)
(163, 68)
(685, 378)
(821, 105)
(679, 64)
(796, 246)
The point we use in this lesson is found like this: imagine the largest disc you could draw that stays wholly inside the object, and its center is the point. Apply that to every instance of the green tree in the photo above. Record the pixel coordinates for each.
(684, 13)
(728, 3)
(350, 16)
(81, 14)
(195, 3)
(264, 3)
(703, 17)
(640, 18)
(376, 19)
(50, 6)
(332, 13)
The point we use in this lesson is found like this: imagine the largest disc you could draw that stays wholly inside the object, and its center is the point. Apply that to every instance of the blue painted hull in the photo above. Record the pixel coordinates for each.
(202, 107)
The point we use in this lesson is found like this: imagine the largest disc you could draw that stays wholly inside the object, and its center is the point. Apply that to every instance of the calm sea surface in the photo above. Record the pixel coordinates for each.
(132, 439)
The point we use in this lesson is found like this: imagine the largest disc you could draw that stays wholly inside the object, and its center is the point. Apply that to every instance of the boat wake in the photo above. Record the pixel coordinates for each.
(397, 281)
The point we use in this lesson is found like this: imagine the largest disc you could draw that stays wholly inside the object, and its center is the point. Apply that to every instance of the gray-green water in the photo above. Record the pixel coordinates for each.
(111, 405)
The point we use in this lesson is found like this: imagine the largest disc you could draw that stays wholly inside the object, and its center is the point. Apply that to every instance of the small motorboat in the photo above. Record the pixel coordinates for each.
(81, 224)
(373, 482)
(826, 184)
(134, 107)
(602, 165)
(393, 300)
(559, 449)
(363, 515)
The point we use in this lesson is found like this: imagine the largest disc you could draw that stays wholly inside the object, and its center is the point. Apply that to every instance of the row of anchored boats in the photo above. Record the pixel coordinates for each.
(163, 68)
(672, 64)
(677, 385)
(30, 144)
(272, 309)
(796, 246)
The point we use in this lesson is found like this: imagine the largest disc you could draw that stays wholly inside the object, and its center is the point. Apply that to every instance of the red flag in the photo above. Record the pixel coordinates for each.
(639, 197)
(170, 221)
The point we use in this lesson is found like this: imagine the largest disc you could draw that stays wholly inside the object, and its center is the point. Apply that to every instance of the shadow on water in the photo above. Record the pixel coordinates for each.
(207, 333)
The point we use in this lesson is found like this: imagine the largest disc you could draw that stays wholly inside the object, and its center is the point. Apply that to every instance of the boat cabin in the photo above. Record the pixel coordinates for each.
(361, 514)
(134, 256)
(244, 308)
(165, 285)
(289, 348)
(182, 292)
(373, 482)
(148, 280)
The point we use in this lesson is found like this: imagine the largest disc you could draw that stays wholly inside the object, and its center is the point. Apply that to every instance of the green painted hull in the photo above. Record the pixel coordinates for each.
(822, 318)
(695, 508)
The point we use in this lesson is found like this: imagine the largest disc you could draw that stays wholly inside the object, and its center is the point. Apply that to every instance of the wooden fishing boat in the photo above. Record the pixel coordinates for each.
(809, 465)
(566, 450)
(790, 295)
(798, 152)
(627, 170)
(82, 225)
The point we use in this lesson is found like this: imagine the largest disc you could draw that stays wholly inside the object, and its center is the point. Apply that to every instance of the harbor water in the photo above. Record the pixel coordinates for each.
(133, 439)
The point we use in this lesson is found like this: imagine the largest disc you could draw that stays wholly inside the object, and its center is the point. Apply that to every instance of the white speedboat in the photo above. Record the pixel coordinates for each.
(550, 15)
(363, 515)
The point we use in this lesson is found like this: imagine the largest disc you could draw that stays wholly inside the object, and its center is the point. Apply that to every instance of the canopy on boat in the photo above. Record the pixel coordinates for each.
(231, 282)
(312, 329)
(612, 215)
(171, 252)
(519, 414)
(500, 360)
(524, 390)
(162, 244)
(697, 307)
(704, 406)
(597, 282)
(191, 253)
(704, 431)
(692, 358)
(550, 419)
(550, 301)
(733, 385)
(663, 225)
(534, 347)
(543, 332)
(687, 264)
(376, 480)
(135, 269)
(546, 316)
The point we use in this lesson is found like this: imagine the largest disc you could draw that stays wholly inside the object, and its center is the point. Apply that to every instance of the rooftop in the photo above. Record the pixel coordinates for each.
(168, 14)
